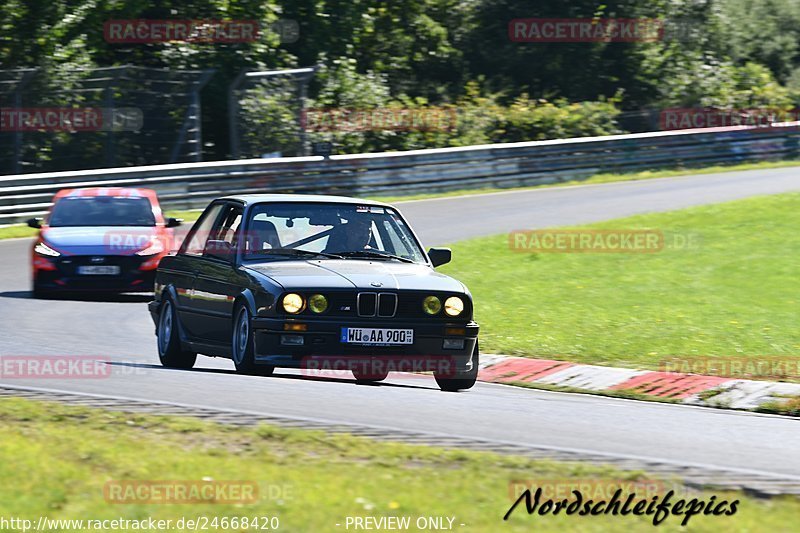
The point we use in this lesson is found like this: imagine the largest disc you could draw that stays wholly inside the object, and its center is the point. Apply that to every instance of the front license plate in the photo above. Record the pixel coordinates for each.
(377, 336)
(99, 270)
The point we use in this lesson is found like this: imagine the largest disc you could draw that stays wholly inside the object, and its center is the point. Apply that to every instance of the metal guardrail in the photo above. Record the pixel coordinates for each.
(192, 185)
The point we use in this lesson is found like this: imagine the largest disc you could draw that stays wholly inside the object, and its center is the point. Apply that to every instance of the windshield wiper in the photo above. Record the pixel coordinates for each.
(373, 253)
(296, 252)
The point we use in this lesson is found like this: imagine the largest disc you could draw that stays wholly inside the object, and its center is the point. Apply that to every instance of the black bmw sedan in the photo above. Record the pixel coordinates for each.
(313, 282)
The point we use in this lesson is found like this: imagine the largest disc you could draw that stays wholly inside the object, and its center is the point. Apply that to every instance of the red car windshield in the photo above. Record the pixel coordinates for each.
(102, 211)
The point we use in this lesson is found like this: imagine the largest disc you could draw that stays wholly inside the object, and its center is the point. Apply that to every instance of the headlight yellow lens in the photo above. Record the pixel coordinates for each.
(454, 306)
(293, 303)
(431, 305)
(318, 303)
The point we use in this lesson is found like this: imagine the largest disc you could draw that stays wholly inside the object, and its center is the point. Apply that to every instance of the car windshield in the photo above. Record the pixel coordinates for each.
(292, 230)
(102, 211)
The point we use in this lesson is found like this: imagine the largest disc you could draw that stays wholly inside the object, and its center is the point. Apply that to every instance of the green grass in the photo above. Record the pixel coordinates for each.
(789, 407)
(59, 457)
(16, 231)
(19, 230)
(735, 294)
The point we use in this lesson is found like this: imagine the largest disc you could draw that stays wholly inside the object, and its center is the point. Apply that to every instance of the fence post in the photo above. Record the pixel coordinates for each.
(233, 111)
(27, 76)
(303, 74)
(193, 121)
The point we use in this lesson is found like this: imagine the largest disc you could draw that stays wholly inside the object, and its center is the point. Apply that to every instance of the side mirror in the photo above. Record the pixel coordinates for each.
(35, 223)
(174, 222)
(440, 256)
(219, 249)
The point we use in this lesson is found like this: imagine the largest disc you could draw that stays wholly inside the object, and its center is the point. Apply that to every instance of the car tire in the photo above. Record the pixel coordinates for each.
(170, 351)
(371, 377)
(461, 381)
(243, 346)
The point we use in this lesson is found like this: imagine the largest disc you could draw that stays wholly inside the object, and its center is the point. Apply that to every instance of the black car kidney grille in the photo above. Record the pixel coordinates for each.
(387, 304)
(380, 304)
(367, 303)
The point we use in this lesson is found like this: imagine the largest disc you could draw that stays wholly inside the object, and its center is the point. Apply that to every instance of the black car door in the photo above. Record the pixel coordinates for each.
(186, 264)
(217, 284)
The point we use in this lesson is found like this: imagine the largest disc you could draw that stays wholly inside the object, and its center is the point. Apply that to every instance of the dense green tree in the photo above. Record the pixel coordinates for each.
(418, 53)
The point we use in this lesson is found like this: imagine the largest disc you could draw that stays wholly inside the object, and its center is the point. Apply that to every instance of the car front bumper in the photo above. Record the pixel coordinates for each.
(125, 282)
(63, 273)
(322, 344)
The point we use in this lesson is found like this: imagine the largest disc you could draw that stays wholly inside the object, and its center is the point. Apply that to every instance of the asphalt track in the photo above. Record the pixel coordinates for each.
(122, 331)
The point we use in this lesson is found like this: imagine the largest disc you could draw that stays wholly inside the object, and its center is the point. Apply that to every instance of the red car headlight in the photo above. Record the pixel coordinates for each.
(156, 247)
(42, 249)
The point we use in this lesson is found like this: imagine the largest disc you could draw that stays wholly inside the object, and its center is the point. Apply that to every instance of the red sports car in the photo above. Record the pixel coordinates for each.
(100, 239)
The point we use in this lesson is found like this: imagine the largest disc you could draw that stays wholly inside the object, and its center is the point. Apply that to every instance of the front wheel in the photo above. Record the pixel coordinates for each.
(243, 346)
(461, 381)
(170, 351)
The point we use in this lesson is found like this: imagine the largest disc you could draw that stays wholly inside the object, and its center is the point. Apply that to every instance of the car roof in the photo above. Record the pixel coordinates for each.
(248, 199)
(107, 191)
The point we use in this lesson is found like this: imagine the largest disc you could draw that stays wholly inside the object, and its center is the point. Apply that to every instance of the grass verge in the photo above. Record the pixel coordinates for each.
(20, 230)
(733, 293)
(64, 455)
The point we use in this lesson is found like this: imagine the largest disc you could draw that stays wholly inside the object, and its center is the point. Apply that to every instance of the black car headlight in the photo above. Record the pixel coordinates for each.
(317, 303)
(431, 305)
(454, 306)
(293, 303)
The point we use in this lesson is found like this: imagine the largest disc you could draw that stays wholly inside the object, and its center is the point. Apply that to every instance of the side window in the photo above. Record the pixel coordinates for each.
(195, 242)
(227, 225)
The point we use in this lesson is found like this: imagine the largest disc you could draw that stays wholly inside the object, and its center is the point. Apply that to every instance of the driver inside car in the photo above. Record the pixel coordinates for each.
(351, 237)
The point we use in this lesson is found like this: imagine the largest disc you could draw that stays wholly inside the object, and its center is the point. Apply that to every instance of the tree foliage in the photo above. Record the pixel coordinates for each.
(418, 53)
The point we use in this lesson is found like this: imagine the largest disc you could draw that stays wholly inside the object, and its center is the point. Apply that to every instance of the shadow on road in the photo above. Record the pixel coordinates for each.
(278, 375)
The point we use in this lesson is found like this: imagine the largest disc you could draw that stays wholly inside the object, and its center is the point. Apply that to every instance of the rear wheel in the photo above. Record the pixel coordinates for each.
(170, 351)
(243, 346)
(461, 381)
